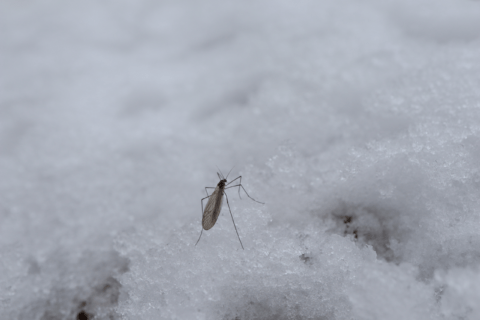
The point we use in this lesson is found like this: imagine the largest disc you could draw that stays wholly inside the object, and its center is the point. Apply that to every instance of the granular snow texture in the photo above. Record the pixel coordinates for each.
(356, 122)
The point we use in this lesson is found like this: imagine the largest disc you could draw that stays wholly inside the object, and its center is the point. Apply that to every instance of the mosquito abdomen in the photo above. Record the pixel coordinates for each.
(213, 208)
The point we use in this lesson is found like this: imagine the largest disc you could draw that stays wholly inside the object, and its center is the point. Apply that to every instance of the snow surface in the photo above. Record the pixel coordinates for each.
(356, 122)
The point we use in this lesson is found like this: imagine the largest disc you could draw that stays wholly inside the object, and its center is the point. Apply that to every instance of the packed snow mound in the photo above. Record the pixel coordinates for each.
(356, 123)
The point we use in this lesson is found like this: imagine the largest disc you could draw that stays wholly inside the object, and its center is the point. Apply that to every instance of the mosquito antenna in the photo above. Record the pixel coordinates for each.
(220, 172)
(229, 172)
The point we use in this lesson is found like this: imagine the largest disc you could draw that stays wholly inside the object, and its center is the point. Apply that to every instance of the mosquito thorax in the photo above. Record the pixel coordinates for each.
(221, 184)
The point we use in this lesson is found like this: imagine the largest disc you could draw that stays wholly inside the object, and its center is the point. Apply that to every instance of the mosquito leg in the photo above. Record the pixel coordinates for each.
(234, 180)
(239, 185)
(233, 221)
(201, 201)
(199, 237)
(208, 188)
(239, 177)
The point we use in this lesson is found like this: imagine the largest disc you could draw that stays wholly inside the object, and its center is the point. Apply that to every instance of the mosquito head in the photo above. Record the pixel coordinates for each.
(222, 183)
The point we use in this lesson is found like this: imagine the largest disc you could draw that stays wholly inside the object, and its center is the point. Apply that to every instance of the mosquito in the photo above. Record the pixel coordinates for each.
(214, 204)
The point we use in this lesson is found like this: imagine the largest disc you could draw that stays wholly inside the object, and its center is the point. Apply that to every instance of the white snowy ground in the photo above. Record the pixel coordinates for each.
(356, 122)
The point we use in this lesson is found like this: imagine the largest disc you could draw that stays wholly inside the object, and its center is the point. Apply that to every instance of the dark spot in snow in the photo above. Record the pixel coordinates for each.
(83, 316)
(370, 225)
(88, 289)
(355, 234)
(304, 257)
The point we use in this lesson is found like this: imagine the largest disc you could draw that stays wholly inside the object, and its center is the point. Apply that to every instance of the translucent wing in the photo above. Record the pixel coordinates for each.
(212, 210)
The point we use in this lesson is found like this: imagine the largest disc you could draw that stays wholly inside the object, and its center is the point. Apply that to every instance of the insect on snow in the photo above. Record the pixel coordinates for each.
(214, 204)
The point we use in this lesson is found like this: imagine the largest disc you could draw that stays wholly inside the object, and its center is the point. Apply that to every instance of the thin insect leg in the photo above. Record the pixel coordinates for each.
(201, 232)
(239, 177)
(234, 222)
(201, 201)
(208, 188)
(199, 237)
(234, 180)
(239, 185)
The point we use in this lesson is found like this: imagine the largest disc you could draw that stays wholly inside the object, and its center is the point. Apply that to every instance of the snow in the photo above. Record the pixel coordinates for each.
(356, 122)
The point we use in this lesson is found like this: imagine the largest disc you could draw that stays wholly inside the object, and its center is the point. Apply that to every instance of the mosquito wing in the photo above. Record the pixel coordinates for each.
(212, 210)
